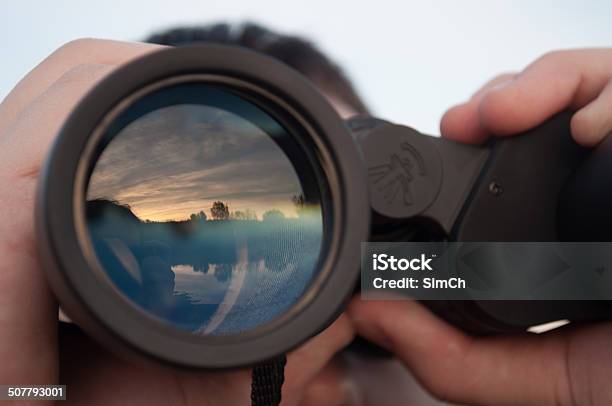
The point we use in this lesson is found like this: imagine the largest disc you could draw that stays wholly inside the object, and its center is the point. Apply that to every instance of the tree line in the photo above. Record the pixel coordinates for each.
(221, 211)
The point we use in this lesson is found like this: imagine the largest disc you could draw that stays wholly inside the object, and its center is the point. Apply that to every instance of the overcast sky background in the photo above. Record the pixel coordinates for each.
(410, 59)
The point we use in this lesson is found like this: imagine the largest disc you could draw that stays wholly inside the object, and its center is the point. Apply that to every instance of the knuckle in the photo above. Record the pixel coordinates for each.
(497, 104)
(502, 77)
(554, 58)
(74, 48)
(550, 56)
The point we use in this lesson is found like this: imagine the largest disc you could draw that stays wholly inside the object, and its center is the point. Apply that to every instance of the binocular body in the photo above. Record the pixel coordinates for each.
(144, 252)
(513, 189)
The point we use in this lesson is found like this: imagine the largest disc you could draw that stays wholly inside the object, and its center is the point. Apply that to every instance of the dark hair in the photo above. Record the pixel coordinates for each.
(299, 53)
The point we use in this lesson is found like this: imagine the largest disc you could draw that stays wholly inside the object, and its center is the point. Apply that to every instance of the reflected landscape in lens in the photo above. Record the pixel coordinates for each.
(199, 218)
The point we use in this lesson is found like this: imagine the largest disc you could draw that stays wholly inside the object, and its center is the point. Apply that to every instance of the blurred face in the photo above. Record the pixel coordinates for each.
(342, 108)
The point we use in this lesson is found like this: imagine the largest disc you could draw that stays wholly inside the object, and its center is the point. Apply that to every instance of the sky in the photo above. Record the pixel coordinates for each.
(411, 60)
(178, 160)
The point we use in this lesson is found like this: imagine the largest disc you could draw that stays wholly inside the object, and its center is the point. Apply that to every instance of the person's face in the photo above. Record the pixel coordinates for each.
(342, 108)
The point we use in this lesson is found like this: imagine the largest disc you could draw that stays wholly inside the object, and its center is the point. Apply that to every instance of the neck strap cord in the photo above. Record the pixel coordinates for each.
(267, 382)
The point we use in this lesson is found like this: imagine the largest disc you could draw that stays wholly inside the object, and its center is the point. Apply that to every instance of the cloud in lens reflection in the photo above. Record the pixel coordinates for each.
(178, 160)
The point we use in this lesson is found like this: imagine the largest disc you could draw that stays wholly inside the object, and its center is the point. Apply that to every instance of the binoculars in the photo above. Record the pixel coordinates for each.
(204, 206)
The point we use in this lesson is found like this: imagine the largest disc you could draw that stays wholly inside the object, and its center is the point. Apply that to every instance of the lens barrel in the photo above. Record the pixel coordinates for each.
(202, 206)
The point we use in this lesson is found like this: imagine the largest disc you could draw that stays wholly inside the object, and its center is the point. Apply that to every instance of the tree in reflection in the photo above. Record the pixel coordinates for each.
(201, 216)
(299, 202)
(246, 214)
(303, 207)
(220, 211)
(273, 215)
(223, 272)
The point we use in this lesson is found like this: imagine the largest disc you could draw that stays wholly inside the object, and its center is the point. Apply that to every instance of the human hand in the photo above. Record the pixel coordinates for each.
(568, 366)
(577, 80)
(31, 353)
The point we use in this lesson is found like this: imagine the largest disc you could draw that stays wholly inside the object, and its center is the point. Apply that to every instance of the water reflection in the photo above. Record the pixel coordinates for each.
(207, 276)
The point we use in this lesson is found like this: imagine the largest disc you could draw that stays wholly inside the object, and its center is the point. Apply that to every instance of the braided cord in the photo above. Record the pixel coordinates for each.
(267, 382)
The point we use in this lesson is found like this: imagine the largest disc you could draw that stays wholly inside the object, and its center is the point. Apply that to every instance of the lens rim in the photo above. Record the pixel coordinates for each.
(277, 110)
(98, 312)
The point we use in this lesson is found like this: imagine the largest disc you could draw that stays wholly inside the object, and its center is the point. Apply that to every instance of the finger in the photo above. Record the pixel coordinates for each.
(459, 368)
(89, 371)
(24, 144)
(462, 122)
(333, 387)
(557, 81)
(593, 123)
(75, 53)
(308, 361)
(28, 317)
(28, 312)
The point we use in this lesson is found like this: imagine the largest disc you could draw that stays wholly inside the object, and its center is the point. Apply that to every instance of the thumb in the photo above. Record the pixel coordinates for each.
(456, 367)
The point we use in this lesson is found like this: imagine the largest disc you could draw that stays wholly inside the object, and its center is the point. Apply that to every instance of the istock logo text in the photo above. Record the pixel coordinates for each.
(383, 262)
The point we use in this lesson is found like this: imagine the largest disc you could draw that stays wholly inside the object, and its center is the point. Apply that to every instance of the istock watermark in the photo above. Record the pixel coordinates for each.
(383, 262)
(487, 270)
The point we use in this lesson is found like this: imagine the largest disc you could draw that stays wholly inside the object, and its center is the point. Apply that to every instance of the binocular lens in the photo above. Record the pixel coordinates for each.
(202, 206)
(196, 213)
